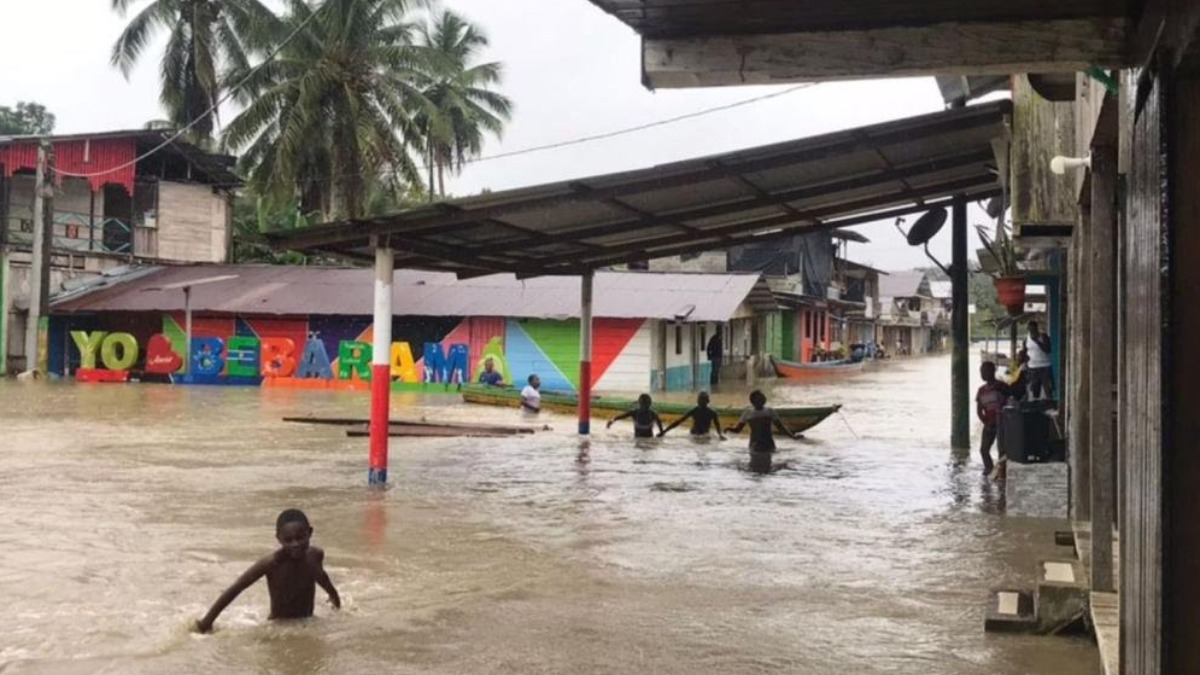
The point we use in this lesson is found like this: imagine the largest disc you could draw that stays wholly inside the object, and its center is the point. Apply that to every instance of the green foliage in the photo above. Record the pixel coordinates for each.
(26, 119)
(1002, 250)
(463, 106)
(206, 40)
(332, 116)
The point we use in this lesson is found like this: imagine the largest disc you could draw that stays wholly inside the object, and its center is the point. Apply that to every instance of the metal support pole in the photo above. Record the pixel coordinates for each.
(381, 375)
(187, 330)
(1100, 367)
(39, 274)
(585, 354)
(960, 432)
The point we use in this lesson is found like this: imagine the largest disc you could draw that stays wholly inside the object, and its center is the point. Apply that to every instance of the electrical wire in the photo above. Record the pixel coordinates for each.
(212, 110)
(588, 139)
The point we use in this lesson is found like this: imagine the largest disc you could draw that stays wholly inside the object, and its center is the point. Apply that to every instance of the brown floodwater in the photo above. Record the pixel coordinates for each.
(126, 509)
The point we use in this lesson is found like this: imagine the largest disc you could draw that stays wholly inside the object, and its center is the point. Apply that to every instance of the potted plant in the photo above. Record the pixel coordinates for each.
(1007, 276)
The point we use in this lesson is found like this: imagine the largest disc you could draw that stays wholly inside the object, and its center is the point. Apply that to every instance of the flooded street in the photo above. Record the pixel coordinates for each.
(127, 509)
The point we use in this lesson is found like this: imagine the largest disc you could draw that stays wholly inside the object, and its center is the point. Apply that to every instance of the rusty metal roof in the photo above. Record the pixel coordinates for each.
(824, 182)
(299, 291)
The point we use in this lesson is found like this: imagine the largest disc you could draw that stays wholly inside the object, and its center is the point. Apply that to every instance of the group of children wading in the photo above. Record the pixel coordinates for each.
(762, 420)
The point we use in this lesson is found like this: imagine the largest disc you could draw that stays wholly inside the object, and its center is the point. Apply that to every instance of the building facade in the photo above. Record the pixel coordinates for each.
(110, 209)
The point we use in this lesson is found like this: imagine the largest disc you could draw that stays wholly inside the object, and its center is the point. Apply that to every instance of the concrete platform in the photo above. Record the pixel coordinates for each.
(1011, 611)
(1062, 595)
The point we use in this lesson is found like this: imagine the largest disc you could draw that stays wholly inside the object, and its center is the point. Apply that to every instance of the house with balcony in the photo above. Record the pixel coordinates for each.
(120, 198)
(911, 321)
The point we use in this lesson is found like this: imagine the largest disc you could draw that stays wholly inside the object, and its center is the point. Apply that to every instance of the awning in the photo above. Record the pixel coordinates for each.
(820, 183)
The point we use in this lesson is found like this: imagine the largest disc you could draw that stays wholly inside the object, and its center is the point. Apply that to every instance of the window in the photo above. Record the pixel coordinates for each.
(678, 339)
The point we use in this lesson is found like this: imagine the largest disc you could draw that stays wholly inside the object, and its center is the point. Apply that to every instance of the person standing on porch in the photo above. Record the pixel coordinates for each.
(1037, 345)
(716, 354)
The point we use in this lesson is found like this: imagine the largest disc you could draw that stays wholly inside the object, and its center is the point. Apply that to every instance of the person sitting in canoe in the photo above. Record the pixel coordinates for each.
(531, 399)
(761, 420)
(703, 419)
(644, 418)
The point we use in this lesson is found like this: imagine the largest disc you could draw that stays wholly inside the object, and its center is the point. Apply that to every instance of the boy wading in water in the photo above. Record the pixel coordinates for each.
(293, 573)
(703, 419)
(644, 418)
(761, 420)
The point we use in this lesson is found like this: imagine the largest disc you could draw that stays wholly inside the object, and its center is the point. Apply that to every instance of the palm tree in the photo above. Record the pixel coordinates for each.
(205, 37)
(331, 115)
(465, 106)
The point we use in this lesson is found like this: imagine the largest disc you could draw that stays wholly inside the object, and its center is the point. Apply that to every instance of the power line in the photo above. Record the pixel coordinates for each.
(596, 137)
(212, 110)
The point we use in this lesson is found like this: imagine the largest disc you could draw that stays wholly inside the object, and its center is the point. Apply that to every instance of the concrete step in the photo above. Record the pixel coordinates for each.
(1011, 611)
(1063, 596)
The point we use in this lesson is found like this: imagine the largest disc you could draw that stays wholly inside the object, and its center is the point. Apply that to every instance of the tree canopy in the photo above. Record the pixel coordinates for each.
(26, 119)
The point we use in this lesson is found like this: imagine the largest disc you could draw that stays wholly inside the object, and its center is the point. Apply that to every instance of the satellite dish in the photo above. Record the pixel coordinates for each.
(927, 227)
(995, 207)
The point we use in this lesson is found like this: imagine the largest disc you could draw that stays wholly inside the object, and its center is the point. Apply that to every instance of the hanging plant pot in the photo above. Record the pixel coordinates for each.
(1011, 292)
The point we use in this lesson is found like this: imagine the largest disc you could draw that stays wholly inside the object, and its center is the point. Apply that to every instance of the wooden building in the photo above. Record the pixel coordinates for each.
(1130, 220)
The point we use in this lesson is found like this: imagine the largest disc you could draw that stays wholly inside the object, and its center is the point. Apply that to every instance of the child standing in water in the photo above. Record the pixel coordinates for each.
(762, 420)
(644, 418)
(703, 419)
(293, 572)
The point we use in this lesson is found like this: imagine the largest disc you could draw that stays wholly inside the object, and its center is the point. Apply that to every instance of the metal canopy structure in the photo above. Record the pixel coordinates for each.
(820, 183)
(703, 43)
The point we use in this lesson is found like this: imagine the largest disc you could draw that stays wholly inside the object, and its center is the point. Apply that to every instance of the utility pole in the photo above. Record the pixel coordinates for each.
(36, 327)
(960, 430)
(5, 277)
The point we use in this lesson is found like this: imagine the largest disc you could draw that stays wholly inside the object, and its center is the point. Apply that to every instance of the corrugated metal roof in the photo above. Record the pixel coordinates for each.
(825, 182)
(296, 291)
(901, 285)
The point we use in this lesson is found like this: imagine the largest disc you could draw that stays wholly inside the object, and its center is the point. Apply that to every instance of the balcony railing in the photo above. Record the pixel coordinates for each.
(76, 232)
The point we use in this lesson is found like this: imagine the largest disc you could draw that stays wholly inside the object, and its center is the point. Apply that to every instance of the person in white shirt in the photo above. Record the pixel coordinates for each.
(1041, 377)
(531, 399)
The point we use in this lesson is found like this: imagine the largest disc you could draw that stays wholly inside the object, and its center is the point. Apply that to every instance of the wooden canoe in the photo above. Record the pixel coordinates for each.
(798, 419)
(791, 370)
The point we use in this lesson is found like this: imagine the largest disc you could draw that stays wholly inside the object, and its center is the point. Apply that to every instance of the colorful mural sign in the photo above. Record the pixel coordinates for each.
(335, 352)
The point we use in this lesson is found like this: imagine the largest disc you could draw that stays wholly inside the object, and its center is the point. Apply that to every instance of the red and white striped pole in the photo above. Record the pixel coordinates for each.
(585, 356)
(381, 369)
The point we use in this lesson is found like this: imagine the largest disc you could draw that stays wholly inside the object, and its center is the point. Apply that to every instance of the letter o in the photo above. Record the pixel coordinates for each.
(128, 351)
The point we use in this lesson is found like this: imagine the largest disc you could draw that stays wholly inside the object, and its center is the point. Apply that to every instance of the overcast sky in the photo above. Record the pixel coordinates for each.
(571, 69)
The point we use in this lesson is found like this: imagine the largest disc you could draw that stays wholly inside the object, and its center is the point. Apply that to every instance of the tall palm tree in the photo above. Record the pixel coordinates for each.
(465, 107)
(331, 115)
(206, 37)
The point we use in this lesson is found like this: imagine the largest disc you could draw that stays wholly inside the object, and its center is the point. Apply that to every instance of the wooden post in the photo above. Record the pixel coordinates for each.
(960, 432)
(4, 272)
(39, 278)
(1103, 228)
(1078, 404)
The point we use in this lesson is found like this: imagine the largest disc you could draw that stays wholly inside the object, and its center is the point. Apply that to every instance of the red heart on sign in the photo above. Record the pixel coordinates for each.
(160, 358)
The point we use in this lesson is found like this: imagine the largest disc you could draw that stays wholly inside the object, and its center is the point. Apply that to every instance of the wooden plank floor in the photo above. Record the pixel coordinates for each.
(1105, 607)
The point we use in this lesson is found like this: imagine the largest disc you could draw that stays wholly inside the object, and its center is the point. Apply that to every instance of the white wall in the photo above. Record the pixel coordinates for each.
(629, 372)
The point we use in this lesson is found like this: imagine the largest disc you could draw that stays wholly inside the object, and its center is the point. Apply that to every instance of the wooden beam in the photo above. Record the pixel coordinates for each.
(1100, 353)
(1065, 45)
(1166, 26)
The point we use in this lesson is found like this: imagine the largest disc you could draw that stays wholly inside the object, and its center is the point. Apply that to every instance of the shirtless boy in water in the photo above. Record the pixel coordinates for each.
(644, 418)
(293, 573)
(762, 421)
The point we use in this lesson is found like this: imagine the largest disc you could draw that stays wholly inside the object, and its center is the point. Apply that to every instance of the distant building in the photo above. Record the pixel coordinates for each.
(912, 321)
(111, 208)
(310, 327)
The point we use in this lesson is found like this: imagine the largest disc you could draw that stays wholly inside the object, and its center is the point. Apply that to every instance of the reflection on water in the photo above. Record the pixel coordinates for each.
(127, 509)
